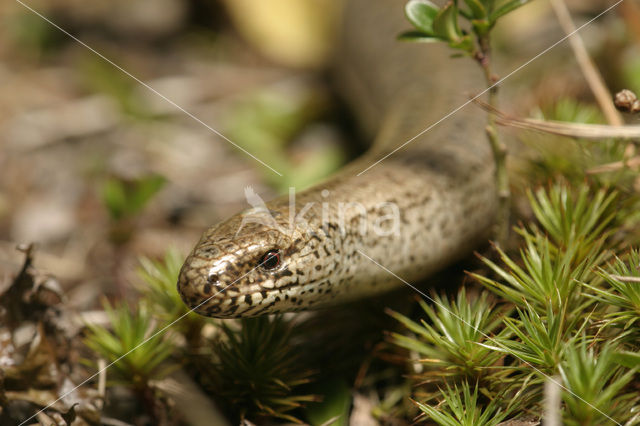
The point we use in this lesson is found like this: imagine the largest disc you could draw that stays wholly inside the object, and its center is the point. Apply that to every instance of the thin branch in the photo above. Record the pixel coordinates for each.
(590, 72)
(627, 279)
(575, 130)
(499, 149)
(572, 130)
(630, 163)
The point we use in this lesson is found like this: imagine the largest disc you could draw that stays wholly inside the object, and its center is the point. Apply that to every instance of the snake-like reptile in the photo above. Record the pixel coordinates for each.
(441, 185)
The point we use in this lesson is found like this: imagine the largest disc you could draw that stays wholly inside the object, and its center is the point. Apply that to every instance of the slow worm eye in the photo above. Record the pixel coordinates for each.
(270, 260)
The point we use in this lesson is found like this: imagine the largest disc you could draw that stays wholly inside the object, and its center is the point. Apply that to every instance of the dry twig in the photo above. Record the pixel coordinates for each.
(589, 70)
(572, 130)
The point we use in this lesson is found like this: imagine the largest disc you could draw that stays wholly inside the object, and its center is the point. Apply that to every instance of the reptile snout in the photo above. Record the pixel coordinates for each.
(201, 281)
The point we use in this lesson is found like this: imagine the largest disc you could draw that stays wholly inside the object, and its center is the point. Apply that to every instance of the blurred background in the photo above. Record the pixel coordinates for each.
(98, 170)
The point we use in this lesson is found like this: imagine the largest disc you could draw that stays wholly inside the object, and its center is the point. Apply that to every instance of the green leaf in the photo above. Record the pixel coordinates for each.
(145, 188)
(481, 26)
(114, 198)
(628, 359)
(127, 197)
(506, 8)
(477, 9)
(421, 14)
(466, 14)
(445, 24)
(465, 44)
(417, 36)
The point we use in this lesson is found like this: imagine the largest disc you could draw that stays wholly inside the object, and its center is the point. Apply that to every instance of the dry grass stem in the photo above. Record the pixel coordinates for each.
(588, 68)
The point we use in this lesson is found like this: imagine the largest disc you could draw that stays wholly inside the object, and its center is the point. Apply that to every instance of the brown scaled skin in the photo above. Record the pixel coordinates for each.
(229, 273)
(441, 182)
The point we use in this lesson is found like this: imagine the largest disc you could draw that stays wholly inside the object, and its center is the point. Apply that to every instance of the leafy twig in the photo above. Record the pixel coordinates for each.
(434, 24)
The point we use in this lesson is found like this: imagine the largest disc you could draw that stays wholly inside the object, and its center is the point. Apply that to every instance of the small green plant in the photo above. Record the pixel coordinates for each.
(124, 343)
(448, 343)
(158, 284)
(620, 293)
(539, 340)
(442, 24)
(136, 352)
(256, 370)
(568, 219)
(461, 407)
(556, 258)
(575, 316)
(594, 387)
(124, 199)
(157, 287)
(548, 279)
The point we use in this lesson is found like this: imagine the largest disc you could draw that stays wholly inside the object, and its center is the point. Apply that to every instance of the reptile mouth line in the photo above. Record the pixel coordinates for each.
(204, 307)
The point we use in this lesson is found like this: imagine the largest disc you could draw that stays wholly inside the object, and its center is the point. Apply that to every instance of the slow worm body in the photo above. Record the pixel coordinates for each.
(416, 211)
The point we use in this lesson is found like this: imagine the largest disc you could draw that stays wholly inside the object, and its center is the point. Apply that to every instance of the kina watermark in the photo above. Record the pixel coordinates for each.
(382, 219)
